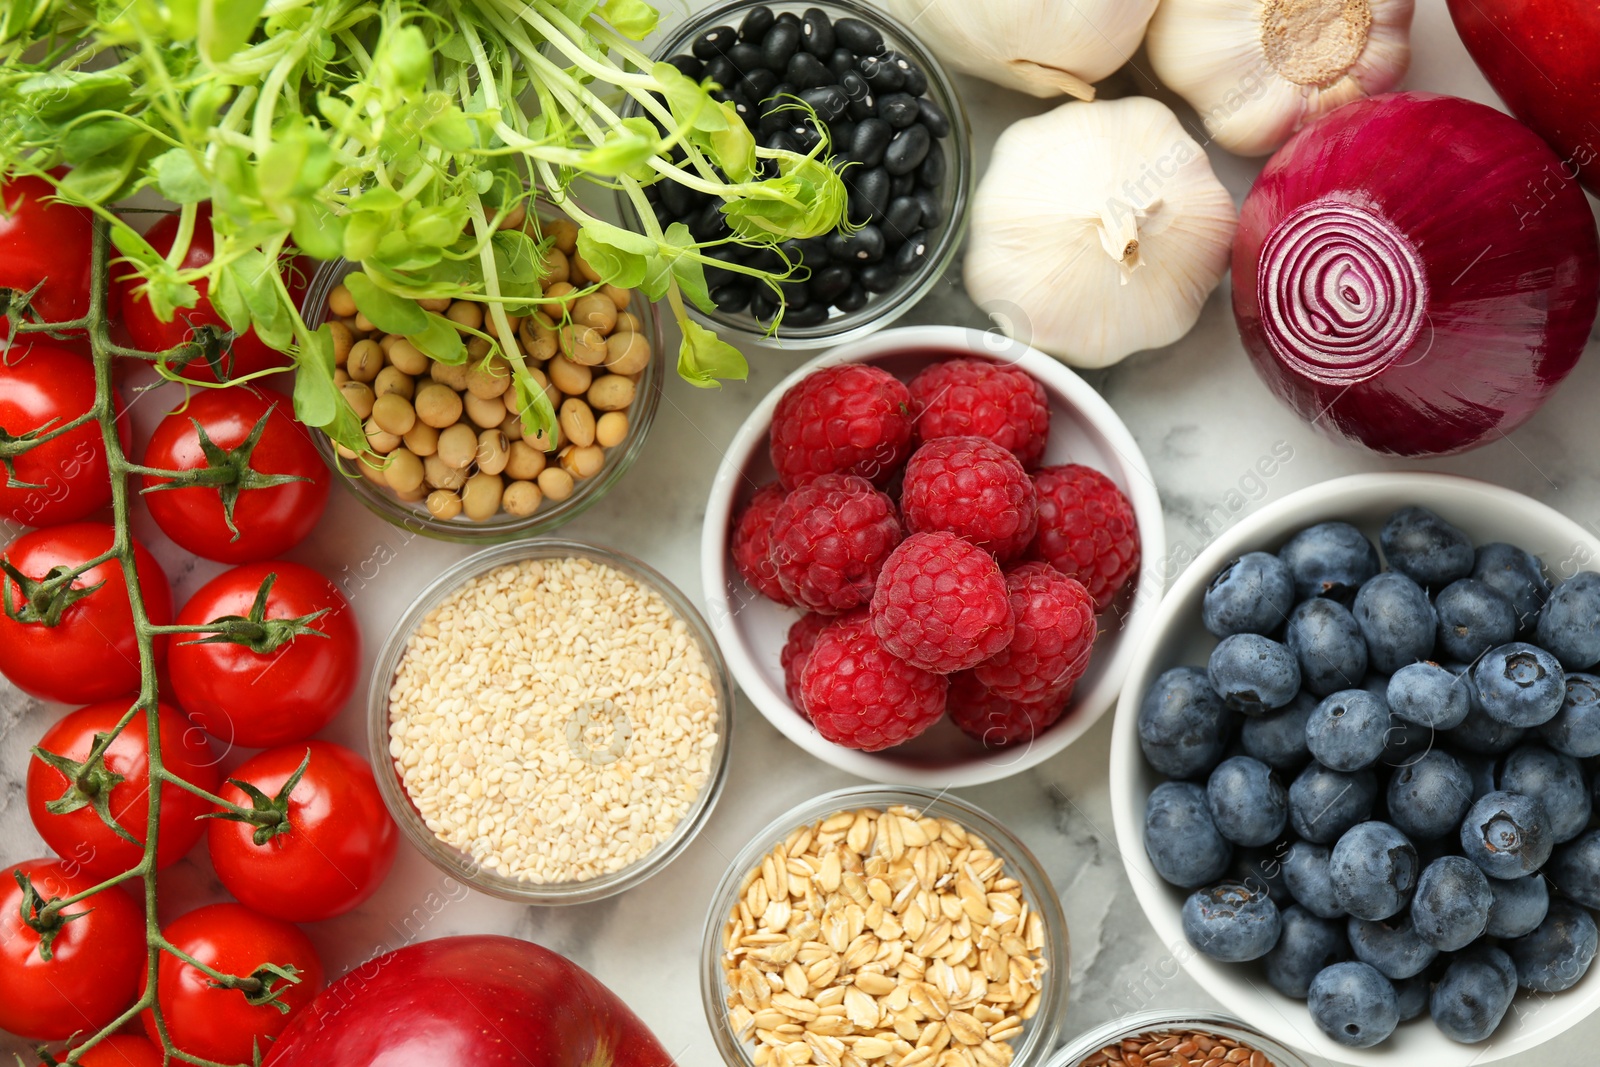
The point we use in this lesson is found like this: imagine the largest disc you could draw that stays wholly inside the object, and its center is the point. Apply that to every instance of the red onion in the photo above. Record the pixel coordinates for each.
(1415, 272)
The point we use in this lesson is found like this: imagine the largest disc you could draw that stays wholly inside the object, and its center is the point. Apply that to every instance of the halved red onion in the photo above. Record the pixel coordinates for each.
(1416, 273)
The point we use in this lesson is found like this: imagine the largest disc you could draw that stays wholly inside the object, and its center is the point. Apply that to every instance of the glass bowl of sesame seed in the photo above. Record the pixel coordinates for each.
(1175, 1039)
(896, 924)
(554, 717)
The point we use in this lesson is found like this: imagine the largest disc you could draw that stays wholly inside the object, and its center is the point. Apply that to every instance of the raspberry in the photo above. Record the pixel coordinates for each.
(960, 397)
(829, 540)
(797, 651)
(752, 532)
(1087, 529)
(973, 488)
(1054, 634)
(941, 603)
(850, 419)
(996, 721)
(861, 696)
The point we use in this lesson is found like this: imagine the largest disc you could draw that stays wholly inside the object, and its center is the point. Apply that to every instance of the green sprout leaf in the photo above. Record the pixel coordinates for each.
(389, 313)
(705, 358)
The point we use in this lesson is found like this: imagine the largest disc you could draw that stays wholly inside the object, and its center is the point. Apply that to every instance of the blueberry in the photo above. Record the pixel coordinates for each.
(1450, 909)
(1575, 869)
(1253, 674)
(1331, 559)
(1520, 684)
(1483, 771)
(1307, 945)
(1261, 869)
(1519, 905)
(1479, 732)
(1413, 995)
(1183, 724)
(1516, 575)
(1323, 804)
(1353, 1004)
(1349, 730)
(1305, 872)
(1247, 802)
(1397, 620)
(1429, 695)
(1251, 595)
(1425, 548)
(1231, 923)
(1557, 954)
(1390, 945)
(1473, 618)
(1374, 870)
(1406, 742)
(1428, 796)
(1507, 834)
(1473, 994)
(1327, 644)
(1554, 780)
(1278, 738)
(1569, 625)
(1182, 840)
(1575, 730)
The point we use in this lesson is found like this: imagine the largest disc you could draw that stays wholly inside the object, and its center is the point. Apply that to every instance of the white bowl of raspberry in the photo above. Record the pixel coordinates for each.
(943, 545)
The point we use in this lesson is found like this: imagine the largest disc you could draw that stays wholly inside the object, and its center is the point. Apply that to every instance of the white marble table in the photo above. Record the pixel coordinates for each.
(1202, 418)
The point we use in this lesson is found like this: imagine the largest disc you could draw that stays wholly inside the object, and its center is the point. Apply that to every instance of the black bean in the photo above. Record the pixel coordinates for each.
(780, 141)
(810, 315)
(763, 305)
(678, 198)
(934, 118)
(840, 61)
(745, 56)
(913, 253)
(778, 97)
(756, 23)
(863, 101)
(709, 224)
(881, 74)
(664, 215)
(748, 110)
(652, 195)
(805, 136)
(766, 259)
(732, 298)
(903, 217)
(865, 245)
(903, 185)
(813, 252)
(807, 71)
(716, 277)
(816, 33)
(869, 193)
(854, 299)
(781, 43)
(858, 36)
(908, 149)
(789, 18)
(871, 139)
(688, 66)
(839, 135)
(829, 102)
(758, 84)
(932, 208)
(721, 71)
(931, 172)
(772, 118)
(878, 277)
(795, 294)
(898, 109)
(828, 284)
(916, 82)
(714, 42)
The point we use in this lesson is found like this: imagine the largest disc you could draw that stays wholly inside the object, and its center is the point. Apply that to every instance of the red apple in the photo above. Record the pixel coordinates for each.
(1543, 58)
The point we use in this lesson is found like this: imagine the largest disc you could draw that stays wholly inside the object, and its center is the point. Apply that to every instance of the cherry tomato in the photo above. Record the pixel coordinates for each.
(42, 240)
(248, 353)
(265, 699)
(337, 850)
(269, 520)
(220, 1024)
(42, 387)
(123, 775)
(120, 1050)
(95, 961)
(90, 653)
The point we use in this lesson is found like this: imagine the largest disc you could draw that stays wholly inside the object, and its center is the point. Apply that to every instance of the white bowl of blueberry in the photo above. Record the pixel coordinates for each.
(1354, 770)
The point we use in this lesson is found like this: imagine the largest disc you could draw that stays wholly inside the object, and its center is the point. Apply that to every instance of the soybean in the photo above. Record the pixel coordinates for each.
(458, 446)
(443, 504)
(438, 405)
(493, 451)
(583, 461)
(423, 439)
(611, 429)
(485, 413)
(441, 475)
(480, 497)
(521, 499)
(404, 472)
(569, 377)
(555, 483)
(364, 361)
(359, 397)
(577, 421)
(611, 393)
(627, 353)
(394, 380)
(394, 414)
(523, 461)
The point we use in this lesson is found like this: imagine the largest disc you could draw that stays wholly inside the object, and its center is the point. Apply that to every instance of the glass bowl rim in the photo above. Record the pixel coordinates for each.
(460, 865)
(1043, 1031)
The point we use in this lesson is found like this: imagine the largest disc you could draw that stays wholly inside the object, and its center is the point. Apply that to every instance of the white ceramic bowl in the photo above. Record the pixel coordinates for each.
(752, 629)
(1486, 513)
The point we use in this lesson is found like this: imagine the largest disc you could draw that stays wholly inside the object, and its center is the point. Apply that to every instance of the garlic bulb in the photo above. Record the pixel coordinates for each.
(1258, 70)
(1099, 229)
(1042, 47)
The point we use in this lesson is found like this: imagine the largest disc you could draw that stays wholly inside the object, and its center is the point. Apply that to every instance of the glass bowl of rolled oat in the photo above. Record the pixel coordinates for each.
(555, 719)
(885, 927)
(1175, 1039)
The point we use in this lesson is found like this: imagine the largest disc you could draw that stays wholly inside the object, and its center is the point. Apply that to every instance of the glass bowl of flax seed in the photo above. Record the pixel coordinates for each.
(1175, 1039)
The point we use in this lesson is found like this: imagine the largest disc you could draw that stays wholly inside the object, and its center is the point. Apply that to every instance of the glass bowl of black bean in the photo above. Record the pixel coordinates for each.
(896, 130)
